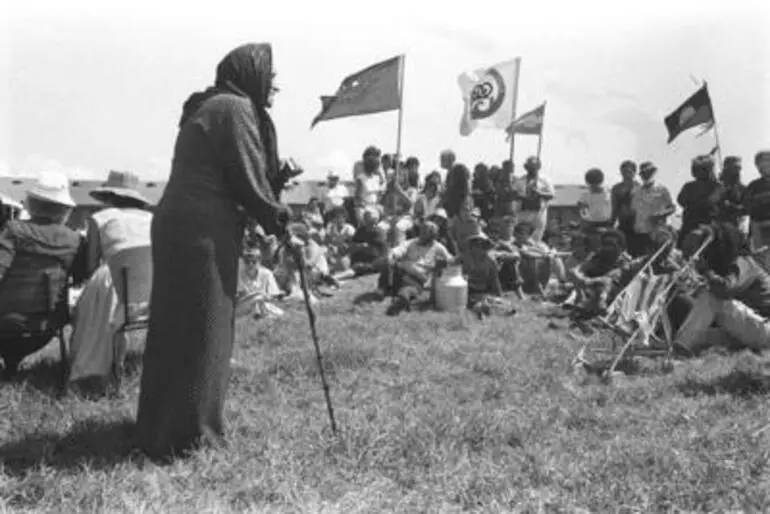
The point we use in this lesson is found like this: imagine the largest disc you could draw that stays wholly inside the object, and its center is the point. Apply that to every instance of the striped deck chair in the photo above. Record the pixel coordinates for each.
(639, 313)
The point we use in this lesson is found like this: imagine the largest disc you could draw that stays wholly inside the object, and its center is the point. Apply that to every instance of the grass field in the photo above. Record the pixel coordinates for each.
(438, 413)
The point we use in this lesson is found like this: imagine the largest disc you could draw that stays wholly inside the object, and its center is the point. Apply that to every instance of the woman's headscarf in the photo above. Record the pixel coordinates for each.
(246, 71)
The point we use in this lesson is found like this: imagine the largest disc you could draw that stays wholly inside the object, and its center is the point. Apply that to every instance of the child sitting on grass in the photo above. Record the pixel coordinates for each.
(256, 287)
(482, 272)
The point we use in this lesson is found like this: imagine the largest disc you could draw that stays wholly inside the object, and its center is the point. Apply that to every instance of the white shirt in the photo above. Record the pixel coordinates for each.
(335, 197)
(596, 206)
(524, 187)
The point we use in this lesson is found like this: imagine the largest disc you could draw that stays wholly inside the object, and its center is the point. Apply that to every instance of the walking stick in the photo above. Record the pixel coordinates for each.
(319, 358)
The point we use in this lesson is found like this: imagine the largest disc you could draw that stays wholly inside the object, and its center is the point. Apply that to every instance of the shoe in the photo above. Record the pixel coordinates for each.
(397, 306)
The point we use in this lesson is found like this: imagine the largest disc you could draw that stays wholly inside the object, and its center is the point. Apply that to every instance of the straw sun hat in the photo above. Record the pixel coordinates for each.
(53, 187)
(121, 184)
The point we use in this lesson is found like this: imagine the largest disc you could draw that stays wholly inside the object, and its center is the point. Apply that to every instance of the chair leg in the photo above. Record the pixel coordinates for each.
(119, 345)
(64, 362)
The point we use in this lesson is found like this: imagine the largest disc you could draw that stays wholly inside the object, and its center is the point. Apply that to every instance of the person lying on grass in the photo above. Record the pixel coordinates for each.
(482, 272)
(368, 249)
(737, 299)
(411, 267)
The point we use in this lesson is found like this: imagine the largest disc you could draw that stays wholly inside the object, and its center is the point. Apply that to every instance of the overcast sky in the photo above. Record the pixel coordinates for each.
(88, 87)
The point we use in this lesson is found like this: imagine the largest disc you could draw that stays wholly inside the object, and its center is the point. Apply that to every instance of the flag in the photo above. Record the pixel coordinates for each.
(488, 96)
(374, 89)
(529, 123)
(695, 111)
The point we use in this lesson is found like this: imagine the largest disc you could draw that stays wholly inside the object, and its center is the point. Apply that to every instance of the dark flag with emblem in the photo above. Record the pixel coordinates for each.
(375, 89)
(695, 111)
(529, 123)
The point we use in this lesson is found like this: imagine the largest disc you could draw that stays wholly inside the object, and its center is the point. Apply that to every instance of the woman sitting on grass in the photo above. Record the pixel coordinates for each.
(738, 297)
(411, 267)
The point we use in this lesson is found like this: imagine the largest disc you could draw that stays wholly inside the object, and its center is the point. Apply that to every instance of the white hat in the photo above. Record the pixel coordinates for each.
(53, 187)
(333, 174)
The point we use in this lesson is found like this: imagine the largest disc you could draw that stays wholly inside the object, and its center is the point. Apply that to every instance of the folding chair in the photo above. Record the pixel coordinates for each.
(639, 313)
(131, 271)
(33, 309)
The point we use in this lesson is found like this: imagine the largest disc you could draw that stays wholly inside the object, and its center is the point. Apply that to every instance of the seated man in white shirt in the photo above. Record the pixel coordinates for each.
(411, 266)
(335, 194)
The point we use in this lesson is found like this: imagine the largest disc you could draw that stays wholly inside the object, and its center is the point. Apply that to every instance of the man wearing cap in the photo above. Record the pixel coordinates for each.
(758, 203)
(42, 242)
(652, 205)
(533, 192)
(335, 193)
(732, 203)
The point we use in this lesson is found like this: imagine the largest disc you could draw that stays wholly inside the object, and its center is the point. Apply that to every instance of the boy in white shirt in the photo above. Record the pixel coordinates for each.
(595, 206)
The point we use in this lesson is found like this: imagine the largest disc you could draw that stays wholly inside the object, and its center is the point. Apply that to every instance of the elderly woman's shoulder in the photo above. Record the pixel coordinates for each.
(228, 102)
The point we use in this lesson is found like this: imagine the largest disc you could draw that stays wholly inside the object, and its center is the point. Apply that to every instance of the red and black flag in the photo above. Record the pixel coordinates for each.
(694, 112)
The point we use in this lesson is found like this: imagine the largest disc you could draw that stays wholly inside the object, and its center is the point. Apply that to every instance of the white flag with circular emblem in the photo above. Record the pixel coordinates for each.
(488, 96)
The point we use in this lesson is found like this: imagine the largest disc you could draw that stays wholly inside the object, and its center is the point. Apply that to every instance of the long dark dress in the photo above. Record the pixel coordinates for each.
(219, 166)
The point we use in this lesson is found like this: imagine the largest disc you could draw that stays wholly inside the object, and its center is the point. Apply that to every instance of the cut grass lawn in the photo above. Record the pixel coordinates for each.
(438, 413)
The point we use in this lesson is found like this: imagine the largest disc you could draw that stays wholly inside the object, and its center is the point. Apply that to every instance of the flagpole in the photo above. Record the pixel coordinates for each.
(397, 172)
(716, 131)
(513, 108)
(540, 136)
(400, 111)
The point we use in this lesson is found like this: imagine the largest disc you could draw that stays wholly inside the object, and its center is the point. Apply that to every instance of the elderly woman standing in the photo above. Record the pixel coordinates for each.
(225, 161)
(125, 223)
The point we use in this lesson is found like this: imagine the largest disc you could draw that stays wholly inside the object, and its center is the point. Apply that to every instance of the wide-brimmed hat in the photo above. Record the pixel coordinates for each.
(53, 187)
(332, 175)
(122, 184)
(480, 239)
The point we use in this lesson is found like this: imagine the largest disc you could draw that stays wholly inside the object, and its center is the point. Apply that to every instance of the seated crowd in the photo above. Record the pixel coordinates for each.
(489, 225)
